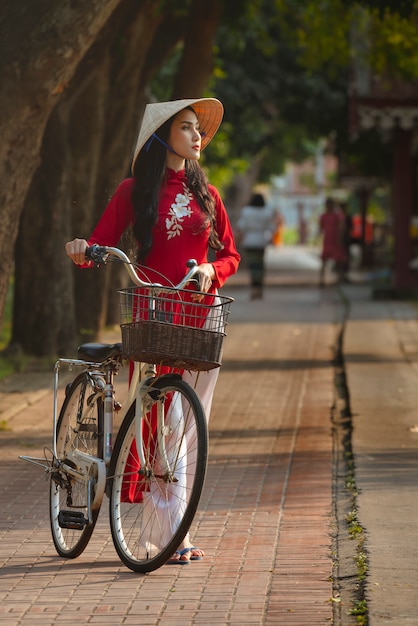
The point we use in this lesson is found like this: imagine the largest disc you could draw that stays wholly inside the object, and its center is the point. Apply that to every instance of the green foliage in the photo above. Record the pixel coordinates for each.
(378, 206)
(6, 367)
(321, 32)
(360, 610)
(362, 565)
(282, 71)
(276, 107)
(394, 49)
(290, 236)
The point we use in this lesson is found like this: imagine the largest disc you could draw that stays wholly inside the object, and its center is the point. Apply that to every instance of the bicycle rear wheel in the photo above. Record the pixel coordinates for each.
(152, 508)
(79, 427)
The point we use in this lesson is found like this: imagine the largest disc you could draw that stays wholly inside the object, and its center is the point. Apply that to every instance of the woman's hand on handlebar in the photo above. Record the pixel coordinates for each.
(76, 251)
(205, 275)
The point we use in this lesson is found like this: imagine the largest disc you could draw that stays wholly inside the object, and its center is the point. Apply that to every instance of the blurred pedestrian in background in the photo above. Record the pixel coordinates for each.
(331, 228)
(302, 225)
(255, 229)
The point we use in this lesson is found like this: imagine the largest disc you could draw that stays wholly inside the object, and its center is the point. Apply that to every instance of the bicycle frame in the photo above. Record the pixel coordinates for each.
(142, 375)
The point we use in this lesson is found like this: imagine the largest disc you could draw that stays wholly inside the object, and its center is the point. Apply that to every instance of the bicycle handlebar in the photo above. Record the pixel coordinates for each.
(99, 254)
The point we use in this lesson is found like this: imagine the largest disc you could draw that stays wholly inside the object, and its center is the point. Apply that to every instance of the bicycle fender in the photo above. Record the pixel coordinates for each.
(152, 388)
(166, 377)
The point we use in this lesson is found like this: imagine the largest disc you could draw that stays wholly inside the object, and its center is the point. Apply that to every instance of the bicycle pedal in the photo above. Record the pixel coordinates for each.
(74, 520)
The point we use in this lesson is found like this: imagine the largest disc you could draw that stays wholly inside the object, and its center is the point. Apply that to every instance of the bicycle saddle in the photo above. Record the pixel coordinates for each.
(99, 352)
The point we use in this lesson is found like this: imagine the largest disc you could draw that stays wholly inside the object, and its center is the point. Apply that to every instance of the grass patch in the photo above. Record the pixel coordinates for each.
(6, 367)
(359, 610)
(10, 360)
(356, 533)
(6, 364)
(6, 327)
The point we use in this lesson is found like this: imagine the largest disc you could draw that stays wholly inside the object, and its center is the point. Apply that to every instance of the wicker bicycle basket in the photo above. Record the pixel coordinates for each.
(169, 327)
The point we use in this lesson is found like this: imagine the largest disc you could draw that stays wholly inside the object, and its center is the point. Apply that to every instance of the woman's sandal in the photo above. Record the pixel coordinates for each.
(194, 557)
(180, 561)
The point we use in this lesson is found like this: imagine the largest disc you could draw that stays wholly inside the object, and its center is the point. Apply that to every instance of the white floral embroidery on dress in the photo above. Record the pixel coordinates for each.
(178, 211)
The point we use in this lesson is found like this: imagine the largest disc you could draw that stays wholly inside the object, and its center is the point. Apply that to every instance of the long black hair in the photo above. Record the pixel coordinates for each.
(149, 173)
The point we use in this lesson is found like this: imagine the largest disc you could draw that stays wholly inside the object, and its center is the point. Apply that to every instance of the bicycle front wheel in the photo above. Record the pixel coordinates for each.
(79, 427)
(152, 507)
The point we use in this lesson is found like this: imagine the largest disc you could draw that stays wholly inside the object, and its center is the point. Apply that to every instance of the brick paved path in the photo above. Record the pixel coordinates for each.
(265, 519)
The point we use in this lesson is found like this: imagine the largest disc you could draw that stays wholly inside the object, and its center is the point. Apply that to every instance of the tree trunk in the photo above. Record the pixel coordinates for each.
(196, 65)
(41, 46)
(42, 300)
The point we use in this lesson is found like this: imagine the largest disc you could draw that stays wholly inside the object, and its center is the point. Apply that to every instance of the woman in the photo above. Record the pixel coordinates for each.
(331, 228)
(256, 226)
(175, 215)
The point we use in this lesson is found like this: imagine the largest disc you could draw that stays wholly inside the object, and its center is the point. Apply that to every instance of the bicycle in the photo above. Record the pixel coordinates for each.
(154, 473)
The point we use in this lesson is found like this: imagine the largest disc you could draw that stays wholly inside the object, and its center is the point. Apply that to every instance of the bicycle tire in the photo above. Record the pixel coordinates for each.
(67, 494)
(146, 528)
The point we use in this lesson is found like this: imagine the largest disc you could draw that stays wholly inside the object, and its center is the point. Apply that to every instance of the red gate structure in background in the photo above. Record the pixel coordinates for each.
(391, 106)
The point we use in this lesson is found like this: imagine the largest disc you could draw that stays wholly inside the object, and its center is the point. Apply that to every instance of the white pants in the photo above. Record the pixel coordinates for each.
(172, 505)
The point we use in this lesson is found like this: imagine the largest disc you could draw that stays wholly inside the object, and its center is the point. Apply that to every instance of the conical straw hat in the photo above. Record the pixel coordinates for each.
(209, 112)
